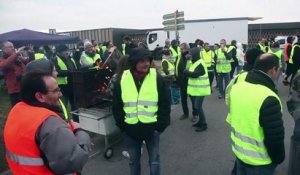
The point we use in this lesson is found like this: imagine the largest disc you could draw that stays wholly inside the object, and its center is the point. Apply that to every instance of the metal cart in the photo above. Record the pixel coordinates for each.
(94, 107)
(100, 121)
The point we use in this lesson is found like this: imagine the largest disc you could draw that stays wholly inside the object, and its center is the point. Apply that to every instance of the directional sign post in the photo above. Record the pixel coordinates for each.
(174, 22)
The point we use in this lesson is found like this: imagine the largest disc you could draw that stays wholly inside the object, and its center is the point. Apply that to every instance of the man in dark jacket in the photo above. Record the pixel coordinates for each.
(129, 44)
(141, 107)
(182, 80)
(293, 105)
(234, 62)
(295, 56)
(65, 65)
(256, 121)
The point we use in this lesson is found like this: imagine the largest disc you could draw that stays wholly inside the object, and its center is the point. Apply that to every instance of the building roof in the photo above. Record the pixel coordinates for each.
(223, 19)
(264, 26)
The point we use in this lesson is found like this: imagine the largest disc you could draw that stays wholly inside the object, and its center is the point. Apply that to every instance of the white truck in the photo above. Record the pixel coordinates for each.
(208, 30)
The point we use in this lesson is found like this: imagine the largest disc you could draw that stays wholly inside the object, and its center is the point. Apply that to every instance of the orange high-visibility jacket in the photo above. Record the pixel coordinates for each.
(23, 154)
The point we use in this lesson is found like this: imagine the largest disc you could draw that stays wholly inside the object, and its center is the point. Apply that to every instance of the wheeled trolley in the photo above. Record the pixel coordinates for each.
(99, 121)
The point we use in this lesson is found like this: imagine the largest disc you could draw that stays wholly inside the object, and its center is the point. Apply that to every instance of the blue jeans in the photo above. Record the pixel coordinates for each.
(226, 78)
(184, 102)
(134, 150)
(175, 94)
(198, 102)
(245, 169)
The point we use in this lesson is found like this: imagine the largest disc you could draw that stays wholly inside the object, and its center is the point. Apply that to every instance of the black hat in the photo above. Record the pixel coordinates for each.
(61, 48)
(252, 54)
(137, 54)
(40, 64)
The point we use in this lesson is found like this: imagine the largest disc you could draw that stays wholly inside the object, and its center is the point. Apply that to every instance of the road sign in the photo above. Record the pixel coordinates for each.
(172, 15)
(173, 22)
(174, 28)
(52, 31)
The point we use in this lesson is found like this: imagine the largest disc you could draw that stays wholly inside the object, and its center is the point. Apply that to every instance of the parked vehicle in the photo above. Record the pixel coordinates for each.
(208, 30)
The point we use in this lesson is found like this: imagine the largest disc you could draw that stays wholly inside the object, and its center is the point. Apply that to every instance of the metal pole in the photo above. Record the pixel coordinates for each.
(176, 28)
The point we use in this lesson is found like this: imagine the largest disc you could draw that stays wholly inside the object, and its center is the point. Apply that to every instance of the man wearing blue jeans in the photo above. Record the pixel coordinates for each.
(223, 66)
(141, 107)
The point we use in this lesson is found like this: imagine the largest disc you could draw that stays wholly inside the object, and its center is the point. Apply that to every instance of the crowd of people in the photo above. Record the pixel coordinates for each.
(40, 88)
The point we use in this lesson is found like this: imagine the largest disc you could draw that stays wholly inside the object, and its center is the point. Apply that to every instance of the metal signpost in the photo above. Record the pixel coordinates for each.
(174, 22)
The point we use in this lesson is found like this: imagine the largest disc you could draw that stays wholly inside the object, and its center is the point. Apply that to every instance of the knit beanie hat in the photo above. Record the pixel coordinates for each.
(40, 64)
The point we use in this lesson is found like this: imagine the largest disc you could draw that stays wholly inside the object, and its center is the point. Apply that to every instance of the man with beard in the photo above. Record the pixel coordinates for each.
(141, 107)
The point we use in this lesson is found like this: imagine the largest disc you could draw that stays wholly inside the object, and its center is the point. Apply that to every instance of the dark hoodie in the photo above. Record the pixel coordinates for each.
(142, 130)
(199, 70)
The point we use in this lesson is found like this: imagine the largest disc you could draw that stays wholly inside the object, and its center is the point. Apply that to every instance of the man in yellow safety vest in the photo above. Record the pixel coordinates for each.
(257, 131)
(141, 107)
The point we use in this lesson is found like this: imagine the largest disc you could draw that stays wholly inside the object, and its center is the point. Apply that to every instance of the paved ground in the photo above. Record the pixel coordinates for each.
(186, 152)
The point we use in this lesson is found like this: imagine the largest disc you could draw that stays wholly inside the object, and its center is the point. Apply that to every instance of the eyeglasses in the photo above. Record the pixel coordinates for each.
(55, 90)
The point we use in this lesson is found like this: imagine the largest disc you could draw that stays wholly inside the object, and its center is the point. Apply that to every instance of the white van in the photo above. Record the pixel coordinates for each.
(282, 40)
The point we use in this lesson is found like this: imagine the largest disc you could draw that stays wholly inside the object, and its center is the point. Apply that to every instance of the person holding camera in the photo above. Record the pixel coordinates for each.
(13, 65)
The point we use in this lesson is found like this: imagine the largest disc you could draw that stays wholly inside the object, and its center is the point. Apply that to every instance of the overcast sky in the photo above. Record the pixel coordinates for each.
(70, 15)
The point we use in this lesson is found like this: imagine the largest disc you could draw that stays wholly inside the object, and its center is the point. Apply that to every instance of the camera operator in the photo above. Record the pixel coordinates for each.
(13, 65)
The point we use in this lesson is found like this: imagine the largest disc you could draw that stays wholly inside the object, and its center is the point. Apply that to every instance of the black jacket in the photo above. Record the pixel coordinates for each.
(270, 118)
(143, 130)
(181, 79)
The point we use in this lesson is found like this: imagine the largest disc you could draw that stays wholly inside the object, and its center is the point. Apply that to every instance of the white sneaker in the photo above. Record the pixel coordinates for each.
(126, 154)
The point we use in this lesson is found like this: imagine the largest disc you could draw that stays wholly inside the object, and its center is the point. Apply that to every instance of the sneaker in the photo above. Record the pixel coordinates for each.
(183, 116)
(194, 118)
(201, 128)
(126, 154)
(220, 97)
(196, 125)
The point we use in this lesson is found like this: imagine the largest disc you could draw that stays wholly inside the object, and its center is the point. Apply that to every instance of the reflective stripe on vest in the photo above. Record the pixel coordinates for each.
(198, 86)
(171, 68)
(140, 106)
(246, 133)
(292, 53)
(278, 54)
(177, 56)
(22, 160)
(64, 109)
(38, 56)
(208, 57)
(123, 49)
(222, 65)
(22, 149)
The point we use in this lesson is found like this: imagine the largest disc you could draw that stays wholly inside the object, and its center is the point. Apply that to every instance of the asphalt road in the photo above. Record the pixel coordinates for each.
(186, 152)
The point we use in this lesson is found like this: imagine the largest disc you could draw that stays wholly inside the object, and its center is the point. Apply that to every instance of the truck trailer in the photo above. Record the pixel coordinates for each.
(208, 30)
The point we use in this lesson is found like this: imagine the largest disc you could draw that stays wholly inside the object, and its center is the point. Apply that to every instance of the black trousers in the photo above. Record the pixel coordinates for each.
(184, 104)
